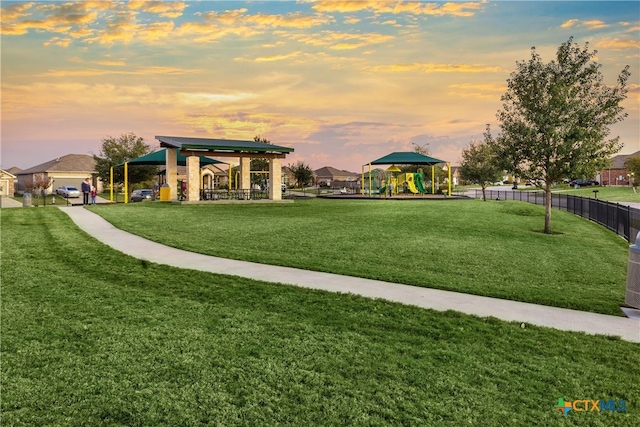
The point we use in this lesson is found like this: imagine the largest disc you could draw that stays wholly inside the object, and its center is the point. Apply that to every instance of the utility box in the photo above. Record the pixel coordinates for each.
(26, 200)
(165, 193)
(632, 298)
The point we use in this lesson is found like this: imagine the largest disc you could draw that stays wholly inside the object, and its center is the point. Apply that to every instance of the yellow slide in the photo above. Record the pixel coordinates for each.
(410, 184)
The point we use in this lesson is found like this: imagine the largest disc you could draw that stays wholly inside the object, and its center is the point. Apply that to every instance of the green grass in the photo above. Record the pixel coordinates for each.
(485, 248)
(612, 194)
(93, 337)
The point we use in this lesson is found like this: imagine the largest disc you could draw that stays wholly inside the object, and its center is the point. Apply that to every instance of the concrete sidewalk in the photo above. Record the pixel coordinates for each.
(512, 311)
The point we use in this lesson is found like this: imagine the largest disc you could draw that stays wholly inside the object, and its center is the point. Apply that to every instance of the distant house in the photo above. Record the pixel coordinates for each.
(7, 183)
(71, 169)
(616, 173)
(329, 176)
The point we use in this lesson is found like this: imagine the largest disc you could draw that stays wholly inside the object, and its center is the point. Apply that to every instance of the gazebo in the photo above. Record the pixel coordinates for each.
(407, 158)
(195, 148)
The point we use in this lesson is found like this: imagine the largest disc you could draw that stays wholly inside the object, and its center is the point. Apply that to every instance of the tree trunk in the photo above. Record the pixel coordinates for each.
(547, 208)
(484, 194)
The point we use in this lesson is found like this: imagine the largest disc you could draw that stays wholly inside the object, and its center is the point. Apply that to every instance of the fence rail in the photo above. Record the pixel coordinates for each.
(621, 219)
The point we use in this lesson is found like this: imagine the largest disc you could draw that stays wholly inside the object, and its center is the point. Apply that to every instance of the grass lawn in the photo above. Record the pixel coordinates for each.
(93, 337)
(612, 194)
(485, 248)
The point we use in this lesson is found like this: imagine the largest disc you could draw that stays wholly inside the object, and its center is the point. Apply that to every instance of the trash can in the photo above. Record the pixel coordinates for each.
(632, 298)
(26, 200)
(165, 193)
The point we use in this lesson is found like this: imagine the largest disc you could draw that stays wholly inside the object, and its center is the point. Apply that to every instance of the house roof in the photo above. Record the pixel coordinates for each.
(184, 143)
(406, 158)
(9, 174)
(617, 162)
(81, 163)
(160, 158)
(330, 171)
(13, 170)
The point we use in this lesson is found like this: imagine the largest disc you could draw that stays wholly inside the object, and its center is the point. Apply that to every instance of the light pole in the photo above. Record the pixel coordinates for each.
(421, 149)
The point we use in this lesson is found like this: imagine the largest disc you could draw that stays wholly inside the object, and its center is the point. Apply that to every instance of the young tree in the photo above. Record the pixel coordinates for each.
(556, 116)
(119, 150)
(633, 168)
(480, 164)
(302, 173)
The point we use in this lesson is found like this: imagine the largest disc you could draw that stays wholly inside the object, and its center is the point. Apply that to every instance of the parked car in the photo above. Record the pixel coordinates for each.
(141, 195)
(68, 191)
(583, 182)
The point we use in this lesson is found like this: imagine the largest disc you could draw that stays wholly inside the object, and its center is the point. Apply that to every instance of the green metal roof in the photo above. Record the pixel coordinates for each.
(160, 158)
(220, 144)
(406, 158)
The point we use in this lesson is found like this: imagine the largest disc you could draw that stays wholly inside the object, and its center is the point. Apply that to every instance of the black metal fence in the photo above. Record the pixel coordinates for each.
(233, 195)
(621, 219)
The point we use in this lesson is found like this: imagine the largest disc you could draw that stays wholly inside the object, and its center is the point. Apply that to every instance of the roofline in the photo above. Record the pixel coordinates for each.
(220, 144)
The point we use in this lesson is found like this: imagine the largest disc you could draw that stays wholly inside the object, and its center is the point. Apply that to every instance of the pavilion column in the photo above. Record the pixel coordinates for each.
(275, 179)
(172, 172)
(193, 178)
(245, 173)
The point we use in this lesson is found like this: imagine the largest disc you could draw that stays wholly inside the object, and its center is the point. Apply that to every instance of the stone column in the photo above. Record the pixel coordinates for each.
(275, 179)
(172, 172)
(193, 178)
(245, 173)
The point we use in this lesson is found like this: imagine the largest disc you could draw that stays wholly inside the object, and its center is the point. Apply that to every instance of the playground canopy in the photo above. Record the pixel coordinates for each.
(160, 158)
(406, 158)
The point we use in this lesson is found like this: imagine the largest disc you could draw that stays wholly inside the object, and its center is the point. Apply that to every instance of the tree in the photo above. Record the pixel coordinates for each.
(38, 186)
(556, 116)
(302, 173)
(480, 164)
(259, 164)
(119, 150)
(633, 168)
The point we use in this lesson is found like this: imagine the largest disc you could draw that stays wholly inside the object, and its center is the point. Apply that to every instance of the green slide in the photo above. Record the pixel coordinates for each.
(419, 181)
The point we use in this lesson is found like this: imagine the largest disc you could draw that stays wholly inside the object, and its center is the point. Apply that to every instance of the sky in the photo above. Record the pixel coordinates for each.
(341, 82)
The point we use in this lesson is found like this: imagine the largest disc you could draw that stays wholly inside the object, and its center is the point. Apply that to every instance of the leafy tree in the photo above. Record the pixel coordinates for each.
(119, 150)
(633, 167)
(480, 164)
(302, 173)
(259, 164)
(556, 116)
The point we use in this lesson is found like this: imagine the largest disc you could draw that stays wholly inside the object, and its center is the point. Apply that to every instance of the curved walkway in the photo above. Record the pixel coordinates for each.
(511, 311)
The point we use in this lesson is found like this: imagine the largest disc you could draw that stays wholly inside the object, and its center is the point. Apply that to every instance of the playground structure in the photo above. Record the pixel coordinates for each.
(391, 178)
(410, 182)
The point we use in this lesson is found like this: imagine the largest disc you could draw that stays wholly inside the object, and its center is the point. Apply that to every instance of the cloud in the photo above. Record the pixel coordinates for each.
(161, 8)
(435, 68)
(462, 9)
(100, 72)
(593, 24)
(570, 23)
(337, 40)
(271, 58)
(618, 44)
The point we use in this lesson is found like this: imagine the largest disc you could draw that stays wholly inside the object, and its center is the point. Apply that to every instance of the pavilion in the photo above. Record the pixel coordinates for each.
(407, 158)
(195, 148)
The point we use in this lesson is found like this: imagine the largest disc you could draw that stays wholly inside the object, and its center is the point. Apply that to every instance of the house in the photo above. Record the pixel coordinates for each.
(616, 173)
(71, 169)
(329, 176)
(7, 183)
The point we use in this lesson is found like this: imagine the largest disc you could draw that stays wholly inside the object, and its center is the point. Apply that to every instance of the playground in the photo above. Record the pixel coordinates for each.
(396, 183)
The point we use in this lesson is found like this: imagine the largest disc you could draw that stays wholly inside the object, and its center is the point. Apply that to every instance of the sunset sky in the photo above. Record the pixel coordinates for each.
(341, 82)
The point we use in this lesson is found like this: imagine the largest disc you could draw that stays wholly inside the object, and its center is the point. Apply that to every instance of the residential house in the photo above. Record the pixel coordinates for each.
(7, 183)
(71, 169)
(616, 173)
(331, 177)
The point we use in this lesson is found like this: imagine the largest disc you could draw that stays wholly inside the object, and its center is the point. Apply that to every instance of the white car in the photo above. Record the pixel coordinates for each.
(68, 192)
